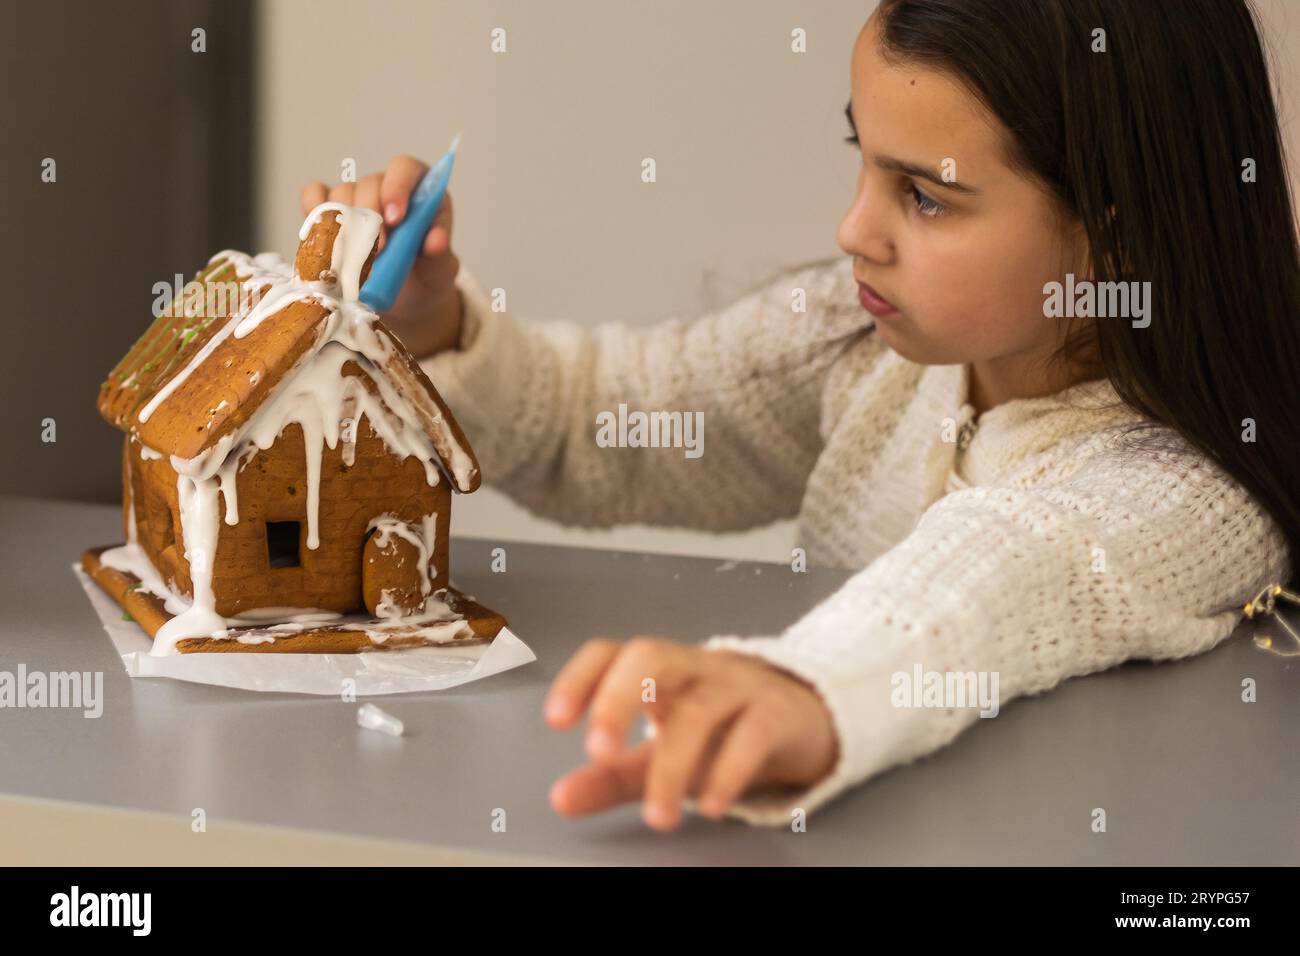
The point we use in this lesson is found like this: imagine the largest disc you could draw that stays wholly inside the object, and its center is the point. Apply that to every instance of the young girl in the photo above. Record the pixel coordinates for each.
(1035, 476)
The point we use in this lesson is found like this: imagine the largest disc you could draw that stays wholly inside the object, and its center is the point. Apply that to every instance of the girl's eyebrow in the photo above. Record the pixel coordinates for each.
(920, 172)
(911, 169)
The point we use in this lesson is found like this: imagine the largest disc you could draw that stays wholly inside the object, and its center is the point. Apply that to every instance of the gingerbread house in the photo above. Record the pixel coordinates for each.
(287, 467)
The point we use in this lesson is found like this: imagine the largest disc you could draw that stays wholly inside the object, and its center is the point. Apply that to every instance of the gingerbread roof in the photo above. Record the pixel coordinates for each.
(193, 383)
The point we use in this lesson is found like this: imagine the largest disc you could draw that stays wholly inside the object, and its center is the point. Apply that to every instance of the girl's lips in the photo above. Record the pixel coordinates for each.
(874, 303)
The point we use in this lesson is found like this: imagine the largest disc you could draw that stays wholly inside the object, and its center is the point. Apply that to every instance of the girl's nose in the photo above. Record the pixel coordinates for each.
(865, 230)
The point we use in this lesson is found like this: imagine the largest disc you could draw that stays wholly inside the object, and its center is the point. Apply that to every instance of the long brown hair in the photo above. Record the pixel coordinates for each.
(1166, 147)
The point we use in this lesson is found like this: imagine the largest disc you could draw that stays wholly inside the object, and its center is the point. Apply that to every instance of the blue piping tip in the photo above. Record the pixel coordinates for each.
(394, 262)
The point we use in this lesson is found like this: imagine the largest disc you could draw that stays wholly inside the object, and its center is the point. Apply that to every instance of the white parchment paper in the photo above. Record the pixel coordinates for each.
(383, 672)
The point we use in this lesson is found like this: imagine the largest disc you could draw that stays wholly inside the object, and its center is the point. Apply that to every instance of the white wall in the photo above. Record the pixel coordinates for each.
(752, 175)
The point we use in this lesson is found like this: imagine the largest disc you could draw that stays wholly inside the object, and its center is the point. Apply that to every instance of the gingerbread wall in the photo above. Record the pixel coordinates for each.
(272, 487)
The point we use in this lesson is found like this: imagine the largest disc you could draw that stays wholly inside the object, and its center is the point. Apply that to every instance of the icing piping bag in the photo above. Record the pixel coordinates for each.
(393, 264)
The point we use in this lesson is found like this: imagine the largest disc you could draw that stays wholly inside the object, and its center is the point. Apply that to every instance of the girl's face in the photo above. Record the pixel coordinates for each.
(942, 229)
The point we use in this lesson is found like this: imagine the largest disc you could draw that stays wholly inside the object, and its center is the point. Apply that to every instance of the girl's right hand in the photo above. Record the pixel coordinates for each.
(428, 311)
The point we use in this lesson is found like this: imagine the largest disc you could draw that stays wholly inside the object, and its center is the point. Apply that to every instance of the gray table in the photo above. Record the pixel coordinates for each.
(1187, 773)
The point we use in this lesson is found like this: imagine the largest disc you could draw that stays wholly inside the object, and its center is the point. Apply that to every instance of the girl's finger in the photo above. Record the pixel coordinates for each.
(313, 194)
(741, 757)
(647, 671)
(366, 196)
(438, 240)
(576, 682)
(435, 243)
(343, 193)
(437, 273)
(399, 181)
(682, 743)
(367, 192)
(595, 787)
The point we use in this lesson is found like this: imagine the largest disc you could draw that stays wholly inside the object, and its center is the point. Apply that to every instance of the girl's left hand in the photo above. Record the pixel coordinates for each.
(724, 724)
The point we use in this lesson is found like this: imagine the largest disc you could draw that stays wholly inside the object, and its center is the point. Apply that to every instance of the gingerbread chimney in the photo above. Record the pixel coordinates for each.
(337, 246)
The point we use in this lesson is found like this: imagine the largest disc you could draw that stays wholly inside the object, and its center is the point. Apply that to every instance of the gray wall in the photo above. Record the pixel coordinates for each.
(153, 148)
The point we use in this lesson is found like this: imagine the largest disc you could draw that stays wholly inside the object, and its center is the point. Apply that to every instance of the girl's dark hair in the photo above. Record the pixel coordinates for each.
(1148, 144)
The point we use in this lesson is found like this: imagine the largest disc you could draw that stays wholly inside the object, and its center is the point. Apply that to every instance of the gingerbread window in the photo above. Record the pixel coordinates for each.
(283, 541)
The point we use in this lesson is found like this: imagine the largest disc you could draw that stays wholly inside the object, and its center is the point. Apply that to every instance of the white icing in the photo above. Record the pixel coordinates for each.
(130, 558)
(209, 462)
(226, 478)
(268, 304)
(198, 508)
(358, 230)
(285, 615)
(255, 638)
(462, 466)
(436, 622)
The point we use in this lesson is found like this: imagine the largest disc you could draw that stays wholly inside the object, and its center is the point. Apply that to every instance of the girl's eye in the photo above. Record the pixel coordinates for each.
(852, 139)
(924, 204)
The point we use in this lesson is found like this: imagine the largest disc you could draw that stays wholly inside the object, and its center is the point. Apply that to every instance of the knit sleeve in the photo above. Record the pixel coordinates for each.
(1148, 558)
(551, 408)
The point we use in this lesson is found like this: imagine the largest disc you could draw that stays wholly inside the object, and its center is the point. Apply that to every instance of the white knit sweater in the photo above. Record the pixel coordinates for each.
(1039, 550)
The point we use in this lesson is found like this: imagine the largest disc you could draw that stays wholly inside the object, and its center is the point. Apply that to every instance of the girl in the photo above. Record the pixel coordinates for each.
(1046, 404)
